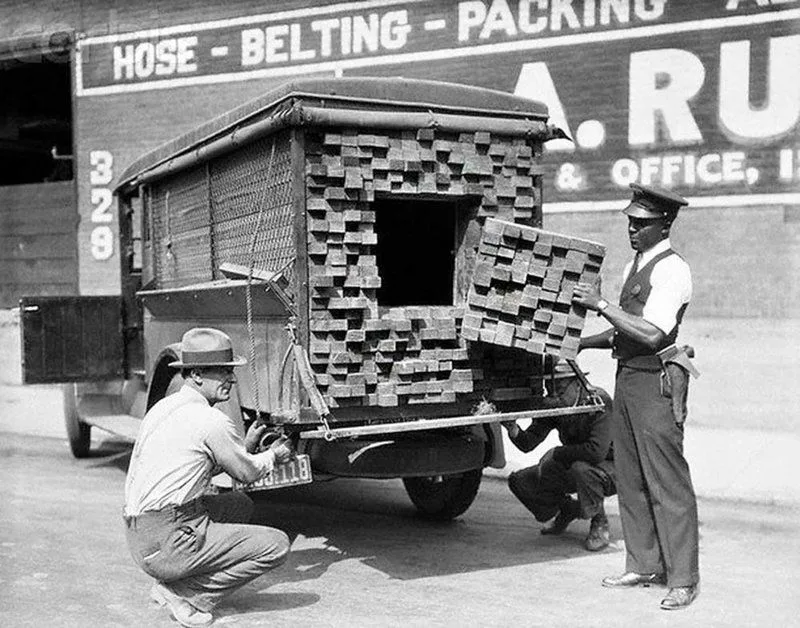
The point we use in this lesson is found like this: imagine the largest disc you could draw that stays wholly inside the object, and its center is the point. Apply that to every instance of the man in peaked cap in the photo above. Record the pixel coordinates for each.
(657, 502)
(197, 545)
(582, 464)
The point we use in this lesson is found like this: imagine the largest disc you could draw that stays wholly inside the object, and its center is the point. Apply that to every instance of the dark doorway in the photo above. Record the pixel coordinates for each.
(415, 252)
(35, 119)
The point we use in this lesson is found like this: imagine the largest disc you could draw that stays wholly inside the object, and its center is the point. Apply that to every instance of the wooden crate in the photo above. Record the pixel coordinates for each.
(521, 293)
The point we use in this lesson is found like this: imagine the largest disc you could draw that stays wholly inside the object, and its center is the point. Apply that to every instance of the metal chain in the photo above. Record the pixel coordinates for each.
(248, 294)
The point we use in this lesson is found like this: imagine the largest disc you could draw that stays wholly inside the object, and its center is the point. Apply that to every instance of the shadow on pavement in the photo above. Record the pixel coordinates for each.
(374, 523)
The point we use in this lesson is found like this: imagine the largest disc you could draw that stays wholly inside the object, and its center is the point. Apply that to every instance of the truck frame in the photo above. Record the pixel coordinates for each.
(332, 228)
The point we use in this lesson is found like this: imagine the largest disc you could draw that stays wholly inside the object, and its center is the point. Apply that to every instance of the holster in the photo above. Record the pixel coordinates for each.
(676, 366)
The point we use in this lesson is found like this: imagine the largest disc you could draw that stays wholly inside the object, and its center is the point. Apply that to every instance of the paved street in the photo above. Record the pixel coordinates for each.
(361, 558)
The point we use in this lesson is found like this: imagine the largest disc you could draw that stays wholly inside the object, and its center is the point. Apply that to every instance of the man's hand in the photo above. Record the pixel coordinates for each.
(511, 426)
(253, 436)
(587, 295)
(282, 449)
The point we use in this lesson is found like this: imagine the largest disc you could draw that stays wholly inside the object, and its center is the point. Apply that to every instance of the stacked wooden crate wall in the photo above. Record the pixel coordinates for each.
(364, 355)
(521, 294)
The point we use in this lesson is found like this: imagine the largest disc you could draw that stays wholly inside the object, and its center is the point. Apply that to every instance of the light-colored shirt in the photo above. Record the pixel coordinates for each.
(671, 282)
(181, 443)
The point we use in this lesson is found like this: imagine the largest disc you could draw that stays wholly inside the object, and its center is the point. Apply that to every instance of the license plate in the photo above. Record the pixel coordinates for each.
(295, 471)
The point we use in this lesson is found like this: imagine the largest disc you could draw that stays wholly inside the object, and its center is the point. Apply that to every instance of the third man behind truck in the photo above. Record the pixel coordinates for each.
(582, 464)
(657, 502)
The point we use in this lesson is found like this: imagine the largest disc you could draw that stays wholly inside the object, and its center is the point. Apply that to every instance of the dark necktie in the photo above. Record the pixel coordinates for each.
(635, 266)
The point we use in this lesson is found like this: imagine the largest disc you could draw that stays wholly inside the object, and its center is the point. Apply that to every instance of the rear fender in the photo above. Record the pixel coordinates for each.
(164, 382)
(162, 374)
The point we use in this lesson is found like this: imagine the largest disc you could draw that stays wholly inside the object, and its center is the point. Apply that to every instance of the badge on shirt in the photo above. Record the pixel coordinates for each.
(636, 289)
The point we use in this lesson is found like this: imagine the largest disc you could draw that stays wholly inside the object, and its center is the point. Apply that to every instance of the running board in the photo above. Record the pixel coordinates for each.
(103, 412)
(445, 422)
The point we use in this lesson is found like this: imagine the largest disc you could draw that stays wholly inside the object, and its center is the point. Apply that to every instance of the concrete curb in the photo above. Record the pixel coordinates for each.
(733, 465)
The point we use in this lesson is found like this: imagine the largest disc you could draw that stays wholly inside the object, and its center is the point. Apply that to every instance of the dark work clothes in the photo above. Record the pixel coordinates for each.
(657, 503)
(582, 464)
(633, 298)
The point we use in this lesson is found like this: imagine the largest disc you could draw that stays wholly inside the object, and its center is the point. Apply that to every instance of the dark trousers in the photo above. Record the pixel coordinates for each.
(204, 550)
(544, 487)
(657, 503)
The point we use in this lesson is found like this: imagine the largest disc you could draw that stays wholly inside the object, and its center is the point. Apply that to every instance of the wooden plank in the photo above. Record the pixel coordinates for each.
(297, 143)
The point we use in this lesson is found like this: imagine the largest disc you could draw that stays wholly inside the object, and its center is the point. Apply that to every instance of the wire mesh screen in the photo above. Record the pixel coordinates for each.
(181, 229)
(209, 215)
(251, 196)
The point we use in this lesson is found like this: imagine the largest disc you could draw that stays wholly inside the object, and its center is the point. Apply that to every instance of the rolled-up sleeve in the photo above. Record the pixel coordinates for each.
(226, 446)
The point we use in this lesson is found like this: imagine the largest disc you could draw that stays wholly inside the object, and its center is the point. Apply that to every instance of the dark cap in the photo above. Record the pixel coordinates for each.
(653, 202)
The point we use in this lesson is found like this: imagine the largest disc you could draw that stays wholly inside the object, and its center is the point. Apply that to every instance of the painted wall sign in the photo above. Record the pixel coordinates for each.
(359, 34)
(700, 96)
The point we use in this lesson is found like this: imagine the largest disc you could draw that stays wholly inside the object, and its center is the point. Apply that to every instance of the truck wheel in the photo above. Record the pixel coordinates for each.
(79, 433)
(443, 497)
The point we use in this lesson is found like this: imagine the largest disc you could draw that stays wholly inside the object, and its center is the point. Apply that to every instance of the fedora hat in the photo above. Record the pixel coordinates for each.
(205, 346)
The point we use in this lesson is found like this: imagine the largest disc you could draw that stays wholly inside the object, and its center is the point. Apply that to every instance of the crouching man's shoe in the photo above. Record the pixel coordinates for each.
(631, 579)
(181, 610)
(679, 597)
(599, 536)
(570, 510)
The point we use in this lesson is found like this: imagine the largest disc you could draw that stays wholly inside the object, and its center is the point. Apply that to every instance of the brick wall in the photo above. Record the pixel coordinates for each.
(745, 261)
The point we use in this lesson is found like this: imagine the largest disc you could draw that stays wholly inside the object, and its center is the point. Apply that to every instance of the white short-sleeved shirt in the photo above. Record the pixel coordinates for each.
(182, 441)
(671, 287)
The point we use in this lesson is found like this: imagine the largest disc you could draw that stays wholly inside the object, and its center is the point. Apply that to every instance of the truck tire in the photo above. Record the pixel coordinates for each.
(79, 434)
(443, 497)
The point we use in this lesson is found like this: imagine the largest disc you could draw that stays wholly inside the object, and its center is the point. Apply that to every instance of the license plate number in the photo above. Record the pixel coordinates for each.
(295, 471)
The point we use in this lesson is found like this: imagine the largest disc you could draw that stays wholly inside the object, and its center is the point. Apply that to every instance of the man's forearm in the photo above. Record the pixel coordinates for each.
(633, 326)
(603, 340)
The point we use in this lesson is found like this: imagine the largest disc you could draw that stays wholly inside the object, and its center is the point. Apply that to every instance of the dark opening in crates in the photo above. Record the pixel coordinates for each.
(417, 242)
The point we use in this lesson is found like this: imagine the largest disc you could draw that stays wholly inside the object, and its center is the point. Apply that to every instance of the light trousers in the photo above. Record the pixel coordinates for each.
(205, 549)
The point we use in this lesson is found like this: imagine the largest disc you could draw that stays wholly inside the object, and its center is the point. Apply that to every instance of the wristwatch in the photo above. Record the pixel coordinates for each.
(601, 305)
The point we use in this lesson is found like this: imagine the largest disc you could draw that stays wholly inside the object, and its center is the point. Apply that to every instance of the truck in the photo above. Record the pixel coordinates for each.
(373, 246)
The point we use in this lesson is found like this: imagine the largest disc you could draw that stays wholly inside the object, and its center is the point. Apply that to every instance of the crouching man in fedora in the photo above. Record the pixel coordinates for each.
(197, 545)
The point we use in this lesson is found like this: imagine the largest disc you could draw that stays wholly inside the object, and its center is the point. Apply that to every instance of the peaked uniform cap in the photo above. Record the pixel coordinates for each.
(653, 202)
(205, 346)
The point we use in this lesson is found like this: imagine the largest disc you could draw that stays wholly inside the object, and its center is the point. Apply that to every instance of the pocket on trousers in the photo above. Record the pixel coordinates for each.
(184, 538)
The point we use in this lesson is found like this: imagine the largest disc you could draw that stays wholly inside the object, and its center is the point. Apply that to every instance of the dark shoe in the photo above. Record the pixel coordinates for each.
(181, 610)
(570, 511)
(599, 536)
(679, 597)
(631, 579)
